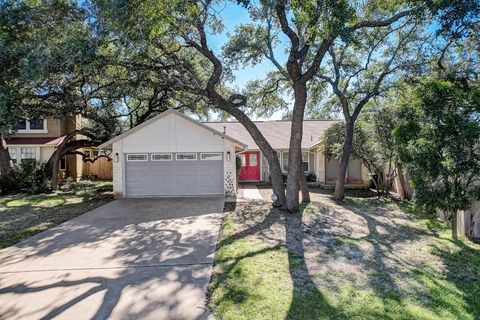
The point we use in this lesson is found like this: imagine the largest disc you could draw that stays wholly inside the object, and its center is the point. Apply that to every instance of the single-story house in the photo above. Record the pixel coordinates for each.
(175, 155)
(277, 133)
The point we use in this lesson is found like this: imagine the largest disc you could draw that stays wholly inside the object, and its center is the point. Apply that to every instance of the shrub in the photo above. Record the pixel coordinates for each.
(309, 175)
(28, 176)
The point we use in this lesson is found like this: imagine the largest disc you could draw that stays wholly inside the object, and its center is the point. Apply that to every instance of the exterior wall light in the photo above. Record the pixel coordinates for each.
(115, 158)
(229, 156)
(274, 197)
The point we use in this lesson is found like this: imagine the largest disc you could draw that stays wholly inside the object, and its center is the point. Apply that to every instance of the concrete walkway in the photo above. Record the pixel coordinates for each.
(130, 259)
(250, 192)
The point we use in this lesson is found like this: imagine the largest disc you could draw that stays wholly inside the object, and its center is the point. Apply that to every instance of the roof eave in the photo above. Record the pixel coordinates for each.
(161, 115)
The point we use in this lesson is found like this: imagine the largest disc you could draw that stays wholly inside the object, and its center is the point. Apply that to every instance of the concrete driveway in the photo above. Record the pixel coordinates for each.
(130, 259)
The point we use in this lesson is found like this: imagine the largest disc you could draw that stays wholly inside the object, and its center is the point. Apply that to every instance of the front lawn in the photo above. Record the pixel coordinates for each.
(22, 216)
(363, 259)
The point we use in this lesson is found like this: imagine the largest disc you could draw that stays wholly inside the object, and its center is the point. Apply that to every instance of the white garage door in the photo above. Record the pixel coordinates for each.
(174, 174)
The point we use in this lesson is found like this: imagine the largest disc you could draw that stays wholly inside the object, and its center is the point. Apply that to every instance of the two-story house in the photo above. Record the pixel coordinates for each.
(38, 138)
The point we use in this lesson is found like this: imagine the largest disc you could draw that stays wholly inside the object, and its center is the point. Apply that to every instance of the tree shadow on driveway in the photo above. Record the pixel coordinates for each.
(119, 261)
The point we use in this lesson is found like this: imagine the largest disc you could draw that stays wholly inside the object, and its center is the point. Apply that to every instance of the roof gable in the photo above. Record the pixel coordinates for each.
(161, 116)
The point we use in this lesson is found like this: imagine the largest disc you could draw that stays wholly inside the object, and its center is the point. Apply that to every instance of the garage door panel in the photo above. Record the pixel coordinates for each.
(175, 177)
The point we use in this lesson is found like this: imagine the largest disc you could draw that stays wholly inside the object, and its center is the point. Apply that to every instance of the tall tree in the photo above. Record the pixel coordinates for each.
(308, 30)
(367, 67)
(438, 139)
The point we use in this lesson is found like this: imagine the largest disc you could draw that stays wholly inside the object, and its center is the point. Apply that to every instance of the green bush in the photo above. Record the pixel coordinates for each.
(28, 176)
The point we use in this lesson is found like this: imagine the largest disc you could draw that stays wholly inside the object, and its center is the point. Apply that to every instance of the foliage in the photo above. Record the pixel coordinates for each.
(438, 138)
(238, 165)
(28, 176)
(334, 137)
(373, 144)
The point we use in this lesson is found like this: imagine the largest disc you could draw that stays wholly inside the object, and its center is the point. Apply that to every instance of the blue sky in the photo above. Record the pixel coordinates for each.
(233, 15)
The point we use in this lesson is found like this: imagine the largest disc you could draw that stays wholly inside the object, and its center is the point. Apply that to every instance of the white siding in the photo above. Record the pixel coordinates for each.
(230, 170)
(172, 133)
(118, 180)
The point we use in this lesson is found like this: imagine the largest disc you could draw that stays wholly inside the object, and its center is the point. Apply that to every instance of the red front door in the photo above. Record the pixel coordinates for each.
(250, 166)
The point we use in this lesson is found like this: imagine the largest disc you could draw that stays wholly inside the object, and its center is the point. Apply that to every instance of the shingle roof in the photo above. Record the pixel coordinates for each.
(53, 141)
(277, 133)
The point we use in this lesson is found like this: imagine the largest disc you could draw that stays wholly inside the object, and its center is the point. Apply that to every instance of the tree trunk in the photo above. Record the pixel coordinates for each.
(295, 170)
(304, 189)
(405, 191)
(342, 169)
(4, 158)
(272, 159)
(454, 225)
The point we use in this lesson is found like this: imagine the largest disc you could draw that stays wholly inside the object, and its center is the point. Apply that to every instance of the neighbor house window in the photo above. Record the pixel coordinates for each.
(63, 164)
(13, 154)
(211, 156)
(95, 153)
(304, 161)
(33, 124)
(29, 153)
(22, 124)
(186, 156)
(137, 157)
(36, 124)
(162, 157)
(87, 154)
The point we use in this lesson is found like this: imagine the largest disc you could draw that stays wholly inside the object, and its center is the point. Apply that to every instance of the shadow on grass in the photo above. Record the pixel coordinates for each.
(25, 216)
(452, 294)
(308, 302)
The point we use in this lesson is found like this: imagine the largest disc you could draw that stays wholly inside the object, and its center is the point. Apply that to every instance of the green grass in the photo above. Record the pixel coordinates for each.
(22, 216)
(255, 278)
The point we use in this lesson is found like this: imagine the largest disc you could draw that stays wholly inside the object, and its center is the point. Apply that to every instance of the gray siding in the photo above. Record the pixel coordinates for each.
(331, 168)
(354, 173)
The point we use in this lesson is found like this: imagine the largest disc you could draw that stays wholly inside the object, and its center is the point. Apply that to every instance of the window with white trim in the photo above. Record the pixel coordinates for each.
(186, 156)
(13, 154)
(305, 162)
(137, 157)
(29, 153)
(162, 157)
(37, 124)
(34, 125)
(211, 156)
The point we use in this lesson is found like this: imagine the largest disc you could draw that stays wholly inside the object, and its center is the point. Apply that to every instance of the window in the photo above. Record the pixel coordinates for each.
(186, 156)
(29, 153)
(211, 156)
(13, 154)
(87, 154)
(253, 161)
(22, 124)
(95, 153)
(33, 124)
(63, 164)
(137, 157)
(162, 157)
(304, 161)
(285, 160)
(36, 124)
